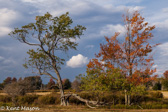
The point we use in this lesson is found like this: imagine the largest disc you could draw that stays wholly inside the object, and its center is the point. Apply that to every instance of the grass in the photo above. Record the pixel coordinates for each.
(74, 108)
(149, 103)
(165, 94)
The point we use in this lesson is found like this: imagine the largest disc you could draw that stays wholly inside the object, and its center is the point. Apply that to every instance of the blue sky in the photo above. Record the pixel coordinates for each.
(100, 17)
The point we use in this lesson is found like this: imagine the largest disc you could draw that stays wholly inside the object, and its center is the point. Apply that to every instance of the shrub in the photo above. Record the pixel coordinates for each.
(73, 100)
(156, 94)
(5, 104)
(165, 84)
(66, 83)
(27, 99)
(136, 99)
(157, 86)
(76, 85)
(5, 99)
(47, 99)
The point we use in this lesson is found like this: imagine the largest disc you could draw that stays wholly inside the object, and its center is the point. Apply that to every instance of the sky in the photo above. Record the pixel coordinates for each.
(100, 17)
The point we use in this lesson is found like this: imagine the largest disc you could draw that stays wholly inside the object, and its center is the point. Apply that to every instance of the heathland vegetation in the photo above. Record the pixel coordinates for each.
(120, 76)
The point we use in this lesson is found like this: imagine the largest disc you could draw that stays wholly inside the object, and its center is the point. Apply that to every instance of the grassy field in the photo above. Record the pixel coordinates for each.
(74, 108)
(82, 108)
(165, 93)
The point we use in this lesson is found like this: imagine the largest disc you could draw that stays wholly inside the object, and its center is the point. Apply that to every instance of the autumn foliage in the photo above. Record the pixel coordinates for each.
(132, 56)
(166, 74)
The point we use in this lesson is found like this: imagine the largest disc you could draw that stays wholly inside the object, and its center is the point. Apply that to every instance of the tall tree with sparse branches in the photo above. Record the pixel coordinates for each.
(132, 56)
(50, 35)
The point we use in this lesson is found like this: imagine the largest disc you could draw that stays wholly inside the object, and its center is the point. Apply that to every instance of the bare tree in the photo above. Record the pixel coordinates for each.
(75, 85)
(16, 89)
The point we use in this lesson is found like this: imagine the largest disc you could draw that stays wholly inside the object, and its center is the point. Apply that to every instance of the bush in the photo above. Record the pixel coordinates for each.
(75, 101)
(5, 104)
(27, 99)
(48, 99)
(136, 99)
(5, 99)
(157, 86)
(156, 95)
(107, 97)
(165, 84)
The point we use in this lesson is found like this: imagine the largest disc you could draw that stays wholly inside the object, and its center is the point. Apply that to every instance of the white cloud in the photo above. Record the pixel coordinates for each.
(7, 16)
(32, 1)
(155, 66)
(57, 7)
(110, 29)
(161, 58)
(162, 24)
(4, 61)
(163, 49)
(77, 61)
(122, 8)
(4, 31)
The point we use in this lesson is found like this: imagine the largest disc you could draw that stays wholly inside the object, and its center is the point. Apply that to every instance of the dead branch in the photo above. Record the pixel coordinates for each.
(88, 102)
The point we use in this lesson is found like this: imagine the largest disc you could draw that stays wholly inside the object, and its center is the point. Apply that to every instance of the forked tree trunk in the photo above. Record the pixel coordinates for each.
(127, 98)
(64, 101)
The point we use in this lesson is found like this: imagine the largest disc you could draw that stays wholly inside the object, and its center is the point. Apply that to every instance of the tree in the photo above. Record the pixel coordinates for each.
(75, 85)
(165, 74)
(34, 81)
(66, 83)
(100, 78)
(52, 36)
(157, 86)
(16, 89)
(8, 80)
(165, 80)
(50, 84)
(14, 79)
(1, 86)
(131, 56)
(20, 79)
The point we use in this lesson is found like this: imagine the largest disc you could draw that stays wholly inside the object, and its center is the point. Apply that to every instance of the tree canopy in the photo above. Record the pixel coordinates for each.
(50, 35)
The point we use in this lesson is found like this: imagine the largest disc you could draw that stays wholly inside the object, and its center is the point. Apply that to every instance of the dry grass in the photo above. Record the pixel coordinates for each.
(39, 93)
(34, 93)
(165, 94)
(74, 108)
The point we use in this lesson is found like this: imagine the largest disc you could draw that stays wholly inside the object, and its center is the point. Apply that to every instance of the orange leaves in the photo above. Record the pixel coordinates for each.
(165, 74)
(130, 55)
(148, 60)
(126, 38)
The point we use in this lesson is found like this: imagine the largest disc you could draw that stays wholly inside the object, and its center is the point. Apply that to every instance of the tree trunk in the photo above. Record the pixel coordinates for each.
(126, 98)
(129, 99)
(14, 101)
(64, 100)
